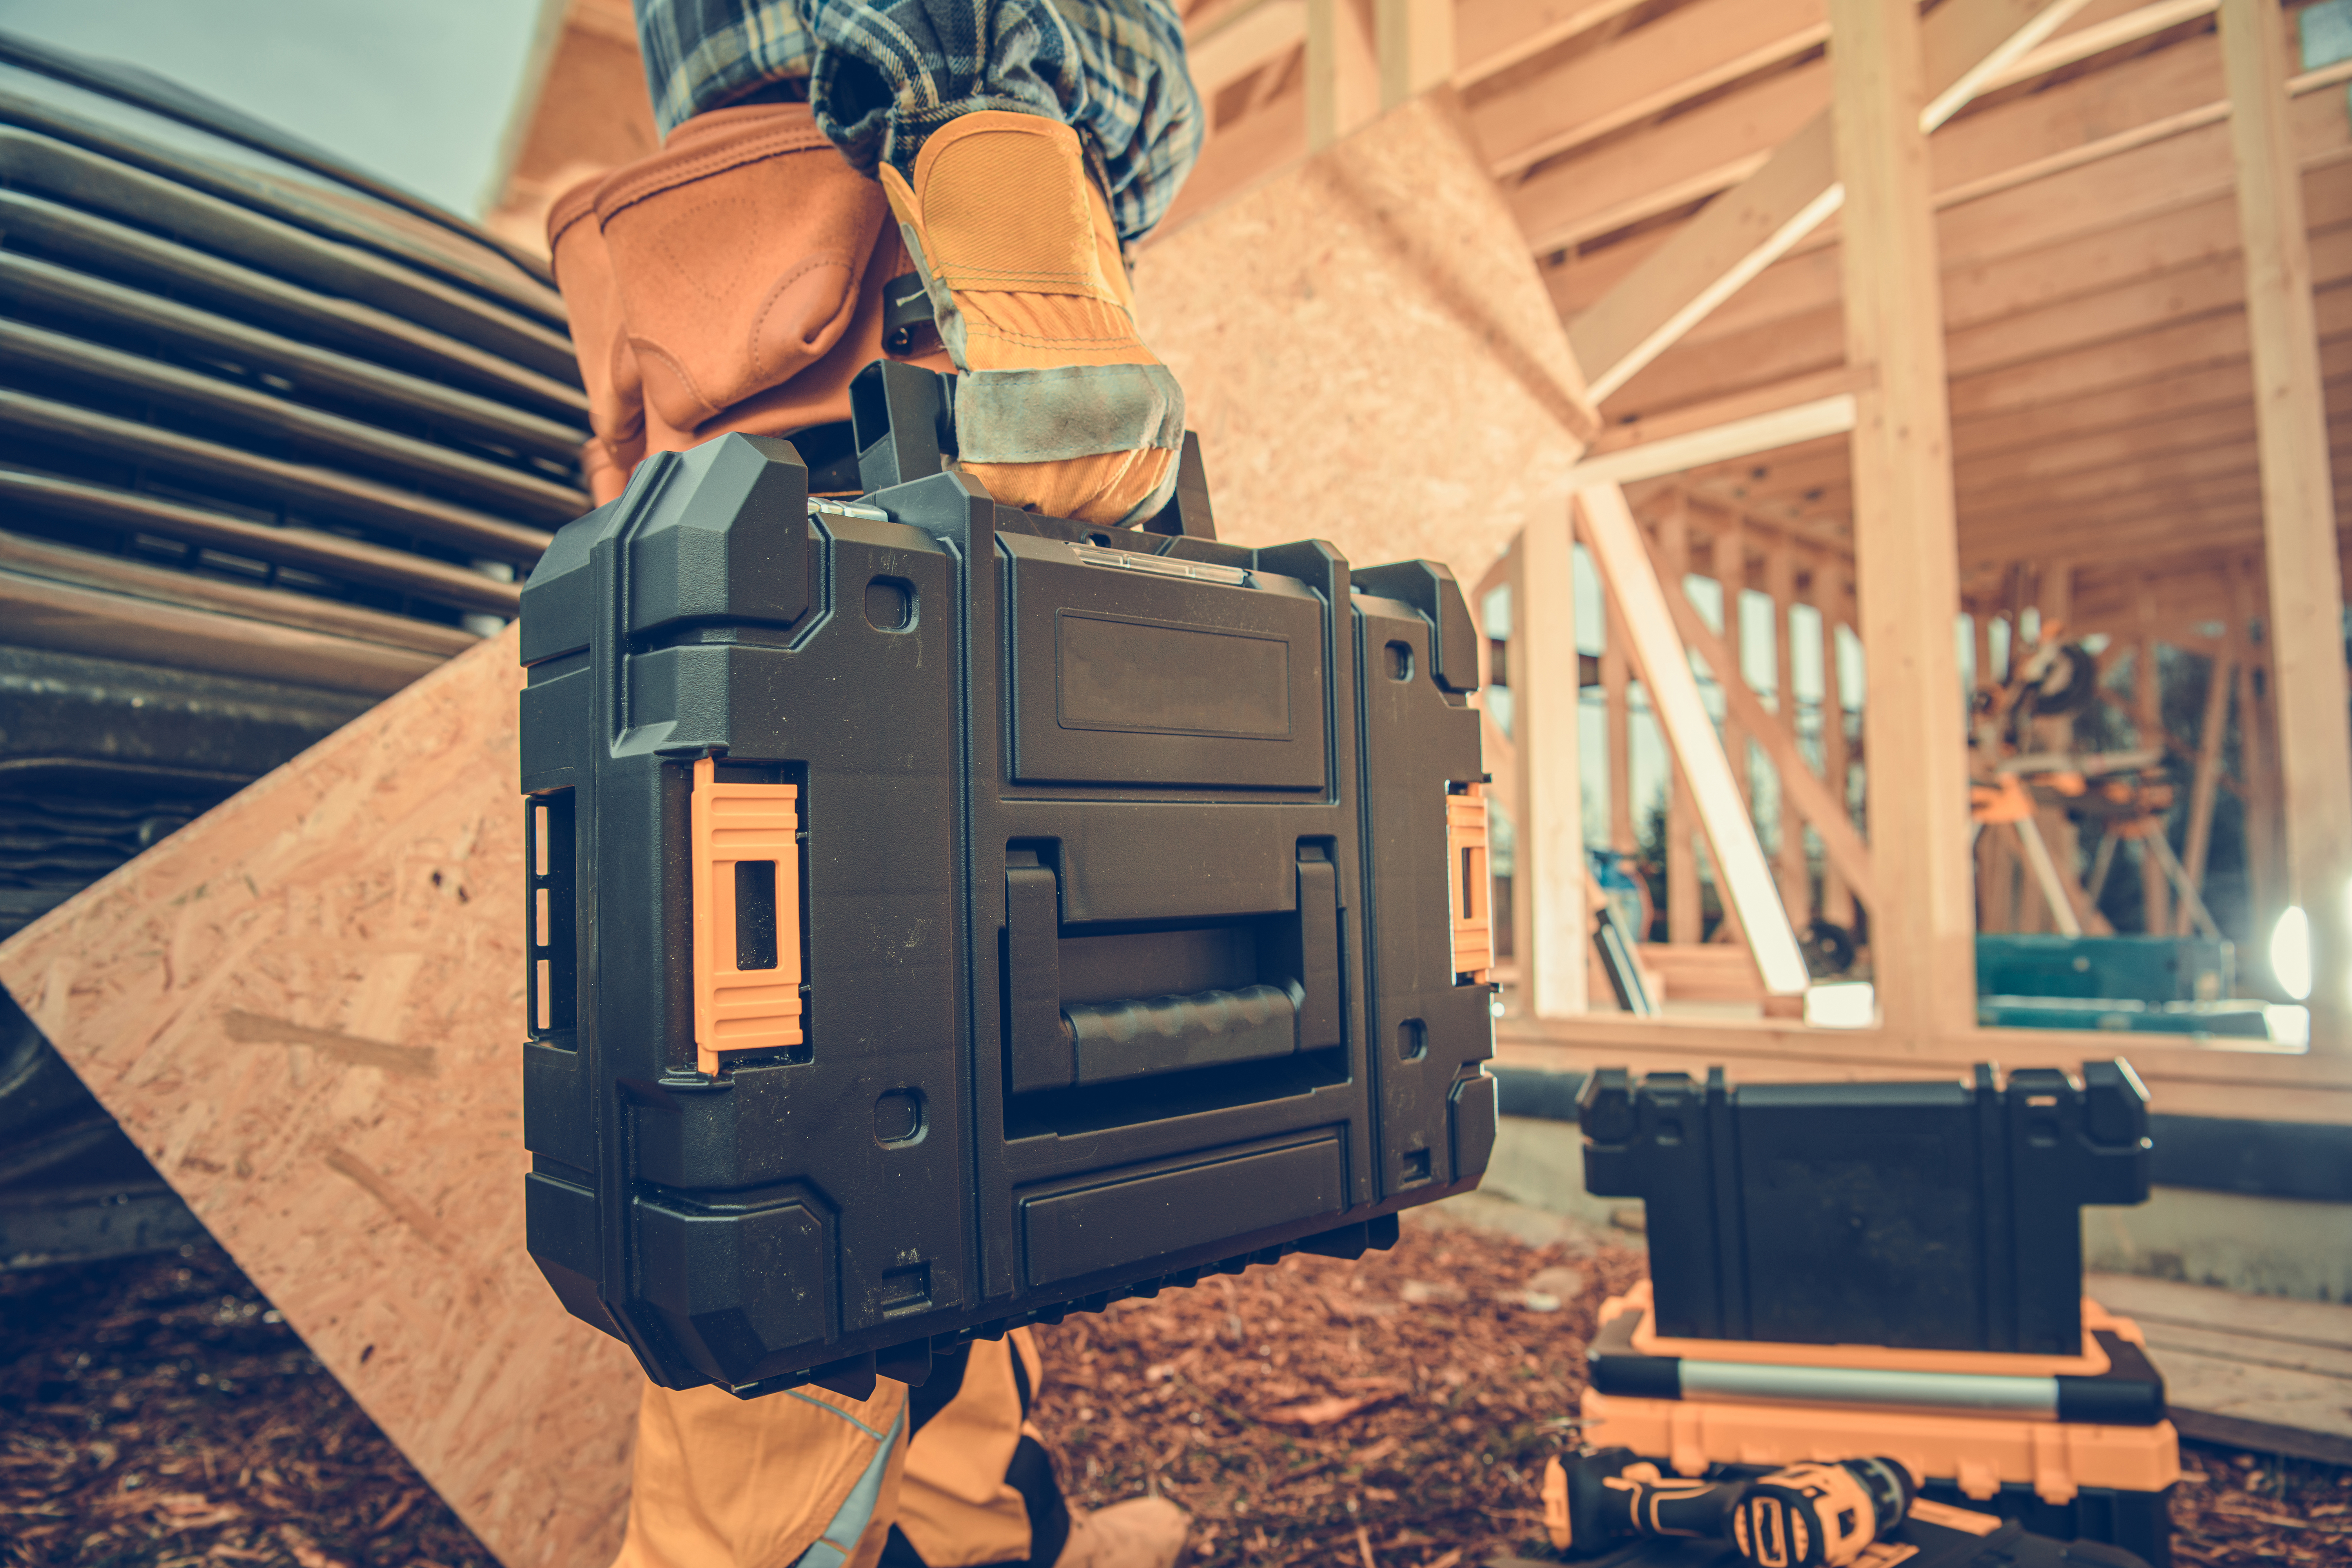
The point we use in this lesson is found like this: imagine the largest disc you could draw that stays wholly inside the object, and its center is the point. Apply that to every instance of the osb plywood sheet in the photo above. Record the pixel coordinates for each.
(1367, 353)
(307, 1008)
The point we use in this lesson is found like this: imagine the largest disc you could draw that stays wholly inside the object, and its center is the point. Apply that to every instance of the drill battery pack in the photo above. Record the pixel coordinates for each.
(943, 918)
(1913, 1215)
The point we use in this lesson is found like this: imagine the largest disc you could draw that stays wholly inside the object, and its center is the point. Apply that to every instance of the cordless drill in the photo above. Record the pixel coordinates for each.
(1810, 1515)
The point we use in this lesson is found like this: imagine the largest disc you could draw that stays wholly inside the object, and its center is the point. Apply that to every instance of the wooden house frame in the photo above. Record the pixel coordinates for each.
(2009, 308)
(2018, 303)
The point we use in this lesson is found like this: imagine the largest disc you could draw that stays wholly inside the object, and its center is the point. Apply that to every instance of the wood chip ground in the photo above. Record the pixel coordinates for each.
(1394, 1411)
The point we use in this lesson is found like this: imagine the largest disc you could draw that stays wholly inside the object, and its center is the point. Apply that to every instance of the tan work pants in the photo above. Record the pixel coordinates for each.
(721, 1482)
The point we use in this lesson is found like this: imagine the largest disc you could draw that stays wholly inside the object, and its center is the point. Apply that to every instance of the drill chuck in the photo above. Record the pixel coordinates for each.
(1819, 1515)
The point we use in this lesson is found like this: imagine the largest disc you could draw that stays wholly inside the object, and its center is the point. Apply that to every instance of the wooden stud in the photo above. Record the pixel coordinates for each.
(1832, 600)
(1616, 674)
(2263, 898)
(1991, 916)
(1731, 583)
(1795, 873)
(1905, 549)
(2058, 831)
(1343, 81)
(2149, 713)
(2205, 787)
(1414, 42)
(1686, 921)
(2305, 627)
(1549, 852)
(1523, 919)
(1742, 874)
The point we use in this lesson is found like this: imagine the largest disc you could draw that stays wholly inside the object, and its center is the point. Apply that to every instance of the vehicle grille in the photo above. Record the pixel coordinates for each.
(307, 405)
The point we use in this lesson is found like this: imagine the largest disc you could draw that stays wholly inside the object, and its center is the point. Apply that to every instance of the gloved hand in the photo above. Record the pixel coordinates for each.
(1061, 407)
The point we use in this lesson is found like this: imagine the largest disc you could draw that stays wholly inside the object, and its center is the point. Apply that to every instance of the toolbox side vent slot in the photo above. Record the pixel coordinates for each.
(550, 912)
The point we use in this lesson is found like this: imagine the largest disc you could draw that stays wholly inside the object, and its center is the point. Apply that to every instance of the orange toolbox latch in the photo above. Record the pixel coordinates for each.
(747, 916)
(1470, 887)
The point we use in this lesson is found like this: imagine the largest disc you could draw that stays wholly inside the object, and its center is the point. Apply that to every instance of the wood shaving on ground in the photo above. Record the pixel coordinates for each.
(1395, 1412)
(2234, 1506)
(156, 1412)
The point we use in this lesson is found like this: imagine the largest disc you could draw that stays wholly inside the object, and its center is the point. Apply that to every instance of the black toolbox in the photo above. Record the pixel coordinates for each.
(944, 916)
(1894, 1267)
(1923, 1215)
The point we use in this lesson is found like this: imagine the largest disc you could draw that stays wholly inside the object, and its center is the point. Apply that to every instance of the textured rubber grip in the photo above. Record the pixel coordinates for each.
(1113, 1040)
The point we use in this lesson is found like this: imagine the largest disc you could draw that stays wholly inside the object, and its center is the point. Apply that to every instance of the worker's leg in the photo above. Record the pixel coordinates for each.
(1021, 142)
(980, 1487)
(805, 1477)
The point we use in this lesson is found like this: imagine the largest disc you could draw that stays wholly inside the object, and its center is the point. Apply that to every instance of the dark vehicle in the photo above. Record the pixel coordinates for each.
(275, 440)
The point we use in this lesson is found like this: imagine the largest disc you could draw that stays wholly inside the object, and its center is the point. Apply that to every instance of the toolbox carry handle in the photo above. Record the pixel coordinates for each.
(1054, 1044)
(1113, 1040)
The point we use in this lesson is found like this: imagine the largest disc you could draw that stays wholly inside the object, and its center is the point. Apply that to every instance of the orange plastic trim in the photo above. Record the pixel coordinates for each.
(1470, 885)
(743, 1009)
(1979, 1452)
(2092, 1363)
(2003, 800)
(1952, 1518)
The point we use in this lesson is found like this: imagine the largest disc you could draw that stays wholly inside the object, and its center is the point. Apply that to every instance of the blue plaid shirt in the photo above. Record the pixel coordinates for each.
(882, 74)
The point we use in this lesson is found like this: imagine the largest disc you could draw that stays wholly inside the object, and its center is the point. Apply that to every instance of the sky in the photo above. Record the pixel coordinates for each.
(416, 92)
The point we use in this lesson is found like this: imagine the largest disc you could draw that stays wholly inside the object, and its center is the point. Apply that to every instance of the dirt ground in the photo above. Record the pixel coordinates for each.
(1393, 1413)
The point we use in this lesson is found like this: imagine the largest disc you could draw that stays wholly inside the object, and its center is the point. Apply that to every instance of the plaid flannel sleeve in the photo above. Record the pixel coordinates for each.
(1112, 69)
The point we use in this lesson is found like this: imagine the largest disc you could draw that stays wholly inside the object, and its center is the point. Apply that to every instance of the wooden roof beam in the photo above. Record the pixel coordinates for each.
(1829, 415)
(1241, 40)
(2046, 198)
(2221, 513)
(1490, 37)
(1687, 52)
(1980, 343)
(1740, 235)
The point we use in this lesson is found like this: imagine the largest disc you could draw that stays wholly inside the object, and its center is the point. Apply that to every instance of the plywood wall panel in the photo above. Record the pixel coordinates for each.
(306, 1008)
(1368, 352)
